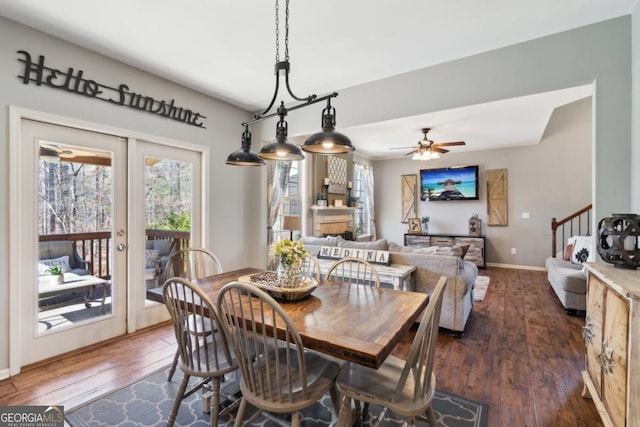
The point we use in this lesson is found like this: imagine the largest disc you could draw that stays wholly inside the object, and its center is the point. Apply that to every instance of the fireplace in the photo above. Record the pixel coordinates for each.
(332, 221)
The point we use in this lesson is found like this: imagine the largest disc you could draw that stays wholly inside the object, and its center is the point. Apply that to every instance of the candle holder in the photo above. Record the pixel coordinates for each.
(326, 191)
(618, 240)
(349, 202)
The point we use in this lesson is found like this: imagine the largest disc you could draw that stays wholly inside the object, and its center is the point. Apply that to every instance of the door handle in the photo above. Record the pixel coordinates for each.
(121, 247)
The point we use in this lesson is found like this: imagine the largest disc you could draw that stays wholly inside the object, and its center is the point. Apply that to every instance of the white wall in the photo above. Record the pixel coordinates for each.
(235, 193)
(635, 146)
(550, 179)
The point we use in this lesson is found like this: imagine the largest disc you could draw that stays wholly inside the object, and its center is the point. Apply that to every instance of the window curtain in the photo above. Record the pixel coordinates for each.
(368, 197)
(279, 183)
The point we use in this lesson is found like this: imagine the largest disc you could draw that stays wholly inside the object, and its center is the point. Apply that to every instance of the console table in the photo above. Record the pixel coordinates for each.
(475, 254)
(612, 341)
(47, 288)
(397, 274)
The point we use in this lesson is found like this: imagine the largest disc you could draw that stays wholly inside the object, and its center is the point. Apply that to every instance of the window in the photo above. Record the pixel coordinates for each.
(290, 203)
(362, 217)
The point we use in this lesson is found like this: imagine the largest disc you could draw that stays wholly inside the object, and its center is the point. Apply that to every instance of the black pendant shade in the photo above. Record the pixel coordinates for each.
(281, 149)
(244, 156)
(328, 141)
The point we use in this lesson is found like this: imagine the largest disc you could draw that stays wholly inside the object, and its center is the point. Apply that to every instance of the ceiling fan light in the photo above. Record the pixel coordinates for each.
(416, 156)
(435, 155)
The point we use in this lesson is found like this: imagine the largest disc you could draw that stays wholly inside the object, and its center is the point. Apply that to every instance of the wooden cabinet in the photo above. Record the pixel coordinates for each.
(475, 254)
(611, 333)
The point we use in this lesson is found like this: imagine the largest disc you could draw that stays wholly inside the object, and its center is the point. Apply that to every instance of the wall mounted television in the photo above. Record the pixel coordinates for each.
(452, 183)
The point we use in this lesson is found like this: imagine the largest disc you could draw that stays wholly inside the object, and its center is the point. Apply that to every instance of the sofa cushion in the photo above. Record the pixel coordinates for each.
(321, 241)
(582, 250)
(378, 245)
(564, 275)
(151, 258)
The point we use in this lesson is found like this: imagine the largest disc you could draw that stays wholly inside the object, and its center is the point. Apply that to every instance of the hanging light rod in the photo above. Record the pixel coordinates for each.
(326, 142)
(261, 117)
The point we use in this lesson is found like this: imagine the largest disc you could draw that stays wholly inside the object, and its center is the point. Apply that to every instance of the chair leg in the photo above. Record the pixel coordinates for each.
(295, 419)
(431, 417)
(178, 400)
(344, 417)
(215, 401)
(174, 364)
(240, 414)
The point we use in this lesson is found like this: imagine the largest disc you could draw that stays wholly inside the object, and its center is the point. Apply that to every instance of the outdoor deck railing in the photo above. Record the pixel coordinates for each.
(96, 247)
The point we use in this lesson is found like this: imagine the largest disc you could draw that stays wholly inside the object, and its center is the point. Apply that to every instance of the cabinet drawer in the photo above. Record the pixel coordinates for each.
(417, 240)
(441, 241)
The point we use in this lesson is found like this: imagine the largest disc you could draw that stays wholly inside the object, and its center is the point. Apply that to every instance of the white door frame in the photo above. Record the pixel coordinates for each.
(16, 115)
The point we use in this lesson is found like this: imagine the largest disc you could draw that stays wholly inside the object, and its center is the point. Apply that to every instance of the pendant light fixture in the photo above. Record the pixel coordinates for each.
(244, 156)
(328, 141)
(281, 148)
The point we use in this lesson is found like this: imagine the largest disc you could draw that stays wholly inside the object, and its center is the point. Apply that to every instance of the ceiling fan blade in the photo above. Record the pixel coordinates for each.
(449, 144)
(439, 150)
(410, 153)
(400, 148)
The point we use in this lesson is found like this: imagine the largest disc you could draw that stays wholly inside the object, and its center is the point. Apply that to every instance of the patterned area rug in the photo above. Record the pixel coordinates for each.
(148, 403)
(480, 288)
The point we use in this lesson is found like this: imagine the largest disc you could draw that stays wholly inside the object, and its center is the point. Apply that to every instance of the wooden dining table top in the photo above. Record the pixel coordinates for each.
(357, 323)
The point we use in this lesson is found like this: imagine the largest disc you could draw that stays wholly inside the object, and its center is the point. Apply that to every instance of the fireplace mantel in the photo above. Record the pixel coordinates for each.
(332, 220)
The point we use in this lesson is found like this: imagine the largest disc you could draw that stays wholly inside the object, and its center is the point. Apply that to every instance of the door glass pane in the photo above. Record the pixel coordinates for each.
(168, 212)
(75, 207)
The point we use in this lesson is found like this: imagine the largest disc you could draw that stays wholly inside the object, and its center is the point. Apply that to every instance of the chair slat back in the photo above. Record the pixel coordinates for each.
(354, 270)
(272, 364)
(193, 263)
(194, 317)
(419, 363)
(311, 268)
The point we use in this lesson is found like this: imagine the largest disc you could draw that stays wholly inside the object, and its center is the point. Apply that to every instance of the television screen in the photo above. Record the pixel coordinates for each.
(453, 183)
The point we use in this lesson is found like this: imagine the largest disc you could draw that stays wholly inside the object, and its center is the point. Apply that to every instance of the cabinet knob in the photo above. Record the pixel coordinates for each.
(587, 332)
(605, 358)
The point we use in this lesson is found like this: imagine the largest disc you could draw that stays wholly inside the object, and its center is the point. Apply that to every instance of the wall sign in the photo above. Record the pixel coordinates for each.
(73, 81)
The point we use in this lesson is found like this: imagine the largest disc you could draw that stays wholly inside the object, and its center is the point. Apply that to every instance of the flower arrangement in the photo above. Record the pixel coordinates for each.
(425, 220)
(289, 253)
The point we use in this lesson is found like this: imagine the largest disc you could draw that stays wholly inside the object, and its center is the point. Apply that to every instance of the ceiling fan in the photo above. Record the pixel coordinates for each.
(427, 149)
(54, 152)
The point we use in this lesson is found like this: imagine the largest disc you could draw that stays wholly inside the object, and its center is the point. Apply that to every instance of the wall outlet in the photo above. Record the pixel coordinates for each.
(513, 251)
(525, 215)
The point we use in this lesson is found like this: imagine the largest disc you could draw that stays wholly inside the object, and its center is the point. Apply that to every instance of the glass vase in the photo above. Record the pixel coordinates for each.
(289, 276)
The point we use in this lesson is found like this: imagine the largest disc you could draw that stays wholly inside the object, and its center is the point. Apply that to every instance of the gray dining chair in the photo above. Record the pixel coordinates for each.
(405, 387)
(277, 374)
(311, 268)
(354, 270)
(208, 356)
(191, 264)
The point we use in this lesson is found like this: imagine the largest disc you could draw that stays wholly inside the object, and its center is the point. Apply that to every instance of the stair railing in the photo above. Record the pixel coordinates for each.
(579, 219)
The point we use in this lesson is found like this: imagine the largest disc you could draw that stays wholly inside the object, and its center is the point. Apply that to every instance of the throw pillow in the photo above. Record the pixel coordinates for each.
(568, 249)
(378, 245)
(151, 257)
(45, 264)
(582, 250)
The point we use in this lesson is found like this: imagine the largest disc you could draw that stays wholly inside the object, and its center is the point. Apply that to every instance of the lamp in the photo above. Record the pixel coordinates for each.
(328, 141)
(49, 154)
(244, 156)
(281, 149)
(291, 223)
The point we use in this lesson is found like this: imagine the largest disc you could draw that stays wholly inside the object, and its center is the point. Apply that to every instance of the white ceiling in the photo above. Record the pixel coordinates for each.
(226, 49)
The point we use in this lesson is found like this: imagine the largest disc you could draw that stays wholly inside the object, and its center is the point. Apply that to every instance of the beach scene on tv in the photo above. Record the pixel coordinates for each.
(449, 183)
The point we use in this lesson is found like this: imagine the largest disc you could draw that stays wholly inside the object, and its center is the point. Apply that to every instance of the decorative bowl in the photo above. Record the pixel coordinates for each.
(268, 281)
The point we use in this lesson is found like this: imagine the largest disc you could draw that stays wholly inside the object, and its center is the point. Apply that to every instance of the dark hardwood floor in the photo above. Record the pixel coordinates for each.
(520, 353)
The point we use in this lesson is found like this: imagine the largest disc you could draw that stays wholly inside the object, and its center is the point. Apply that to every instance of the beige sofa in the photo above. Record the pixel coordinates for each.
(458, 297)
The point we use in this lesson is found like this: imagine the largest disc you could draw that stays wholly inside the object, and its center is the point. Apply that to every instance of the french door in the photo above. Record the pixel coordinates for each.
(109, 195)
(68, 162)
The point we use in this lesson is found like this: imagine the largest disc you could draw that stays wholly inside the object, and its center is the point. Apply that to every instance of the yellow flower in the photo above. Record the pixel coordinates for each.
(290, 253)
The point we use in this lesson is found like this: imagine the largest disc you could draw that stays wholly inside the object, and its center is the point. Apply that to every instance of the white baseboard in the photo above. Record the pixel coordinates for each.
(4, 374)
(519, 267)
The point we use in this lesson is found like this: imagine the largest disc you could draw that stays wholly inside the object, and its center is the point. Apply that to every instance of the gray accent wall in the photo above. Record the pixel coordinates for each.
(236, 194)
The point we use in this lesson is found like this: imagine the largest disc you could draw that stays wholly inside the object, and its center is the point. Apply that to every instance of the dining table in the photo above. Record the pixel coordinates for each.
(353, 322)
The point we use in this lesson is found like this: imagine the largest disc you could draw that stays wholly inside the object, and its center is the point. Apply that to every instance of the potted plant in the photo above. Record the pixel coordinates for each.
(322, 200)
(56, 271)
(290, 255)
(425, 224)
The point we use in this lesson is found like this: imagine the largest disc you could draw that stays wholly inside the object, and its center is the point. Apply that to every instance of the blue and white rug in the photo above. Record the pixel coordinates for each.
(148, 402)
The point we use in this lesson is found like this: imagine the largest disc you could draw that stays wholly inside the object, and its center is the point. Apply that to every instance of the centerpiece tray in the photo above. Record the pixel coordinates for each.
(268, 281)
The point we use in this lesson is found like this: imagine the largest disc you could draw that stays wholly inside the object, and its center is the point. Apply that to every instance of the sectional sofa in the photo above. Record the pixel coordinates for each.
(458, 297)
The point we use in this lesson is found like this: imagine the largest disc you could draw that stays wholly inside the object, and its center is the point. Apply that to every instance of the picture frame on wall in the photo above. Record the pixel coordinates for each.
(415, 226)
